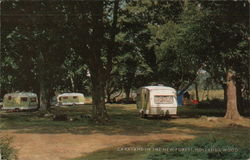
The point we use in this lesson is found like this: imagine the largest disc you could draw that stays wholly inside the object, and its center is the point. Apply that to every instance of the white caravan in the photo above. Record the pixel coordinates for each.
(20, 101)
(156, 100)
(70, 99)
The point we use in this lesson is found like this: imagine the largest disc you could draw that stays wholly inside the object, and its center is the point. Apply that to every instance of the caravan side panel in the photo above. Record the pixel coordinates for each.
(21, 101)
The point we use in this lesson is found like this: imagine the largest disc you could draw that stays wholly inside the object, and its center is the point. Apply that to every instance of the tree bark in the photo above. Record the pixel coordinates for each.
(108, 95)
(99, 111)
(224, 86)
(72, 84)
(239, 97)
(111, 48)
(42, 86)
(128, 85)
(196, 92)
(232, 111)
(127, 92)
(96, 66)
(108, 89)
(208, 94)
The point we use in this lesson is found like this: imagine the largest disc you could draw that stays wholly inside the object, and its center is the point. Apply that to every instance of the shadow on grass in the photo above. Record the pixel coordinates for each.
(152, 150)
(197, 111)
(125, 121)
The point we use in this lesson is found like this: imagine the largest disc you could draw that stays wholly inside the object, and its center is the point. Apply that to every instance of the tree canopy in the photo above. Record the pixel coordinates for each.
(103, 47)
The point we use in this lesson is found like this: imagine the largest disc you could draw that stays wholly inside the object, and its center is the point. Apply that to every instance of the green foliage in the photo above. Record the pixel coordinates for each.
(201, 148)
(73, 73)
(178, 44)
(139, 19)
(164, 42)
(6, 151)
(24, 41)
(228, 28)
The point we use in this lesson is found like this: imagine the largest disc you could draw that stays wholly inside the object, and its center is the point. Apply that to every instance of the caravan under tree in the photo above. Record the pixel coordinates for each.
(70, 99)
(156, 100)
(20, 101)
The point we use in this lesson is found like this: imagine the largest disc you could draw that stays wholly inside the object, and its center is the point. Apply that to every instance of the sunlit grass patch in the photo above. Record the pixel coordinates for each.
(124, 120)
(193, 121)
(204, 147)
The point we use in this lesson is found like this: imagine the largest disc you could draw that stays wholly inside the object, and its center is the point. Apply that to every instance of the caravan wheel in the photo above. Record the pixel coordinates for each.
(166, 115)
(16, 110)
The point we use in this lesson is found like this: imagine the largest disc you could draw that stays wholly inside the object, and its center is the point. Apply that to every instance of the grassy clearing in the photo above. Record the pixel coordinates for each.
(194, 120)
(116, 153)
(160, 150)
(124, 121)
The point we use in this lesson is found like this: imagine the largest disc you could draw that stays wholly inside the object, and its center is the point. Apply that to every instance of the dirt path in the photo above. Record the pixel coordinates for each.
(68, 146)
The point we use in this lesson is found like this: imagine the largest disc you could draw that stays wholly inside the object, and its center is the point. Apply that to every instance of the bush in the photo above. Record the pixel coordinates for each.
(201, 148)
(6, 151)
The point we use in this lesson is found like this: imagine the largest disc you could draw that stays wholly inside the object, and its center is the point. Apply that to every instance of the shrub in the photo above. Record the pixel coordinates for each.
(201, 148)
(6, 151)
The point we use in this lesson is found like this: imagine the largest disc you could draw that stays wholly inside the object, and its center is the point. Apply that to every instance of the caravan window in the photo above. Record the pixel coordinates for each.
(24, 99)
(9, 98)
(65, 97)
(74, 97)
(163, 99)
(33, 99)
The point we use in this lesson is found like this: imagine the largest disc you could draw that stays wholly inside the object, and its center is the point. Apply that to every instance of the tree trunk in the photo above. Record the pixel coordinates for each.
(208, 94)
(128, 85)
(111, 48)
(108, 98)
(224, 86)
(72, 84)
(42, 98)
(96, 66)
(108, 92)
(239, 97)
(196, 92)
(112, 44)
(232, 111)
(42, 90)
(127, 92)
(99, 111)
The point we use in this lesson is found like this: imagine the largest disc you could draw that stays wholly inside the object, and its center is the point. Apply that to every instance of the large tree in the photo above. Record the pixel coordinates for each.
(228, 28)
(92, 30)
(32, 39)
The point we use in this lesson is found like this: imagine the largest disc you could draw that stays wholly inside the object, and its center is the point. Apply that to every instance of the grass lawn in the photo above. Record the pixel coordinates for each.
(192, 120)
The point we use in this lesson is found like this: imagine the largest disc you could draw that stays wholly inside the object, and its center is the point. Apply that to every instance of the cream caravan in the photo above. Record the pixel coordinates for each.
(20, 101)
(70, 99)
(156, 100)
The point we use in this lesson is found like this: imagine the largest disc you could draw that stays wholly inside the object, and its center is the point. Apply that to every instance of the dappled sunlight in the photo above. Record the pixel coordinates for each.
(126, 127)
(212, 122)
(181, 130)
(124, 121)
